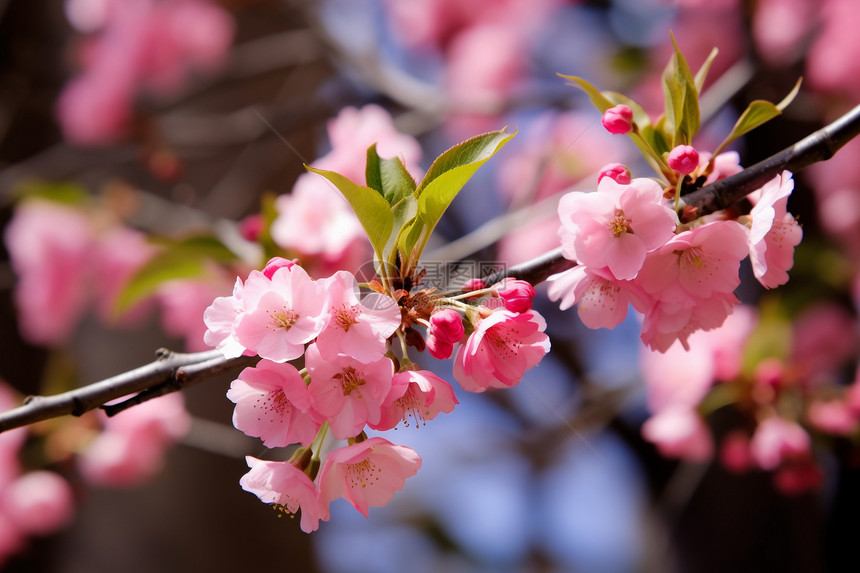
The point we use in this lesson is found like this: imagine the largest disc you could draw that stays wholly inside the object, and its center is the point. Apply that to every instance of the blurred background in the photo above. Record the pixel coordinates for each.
(128, 126)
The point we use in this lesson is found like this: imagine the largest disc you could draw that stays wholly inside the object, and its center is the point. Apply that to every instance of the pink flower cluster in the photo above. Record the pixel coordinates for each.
(632, 250)
(351, 380)
(136, 46)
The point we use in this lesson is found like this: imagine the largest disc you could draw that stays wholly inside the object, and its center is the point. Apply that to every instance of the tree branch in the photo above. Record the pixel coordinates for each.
(170, 371)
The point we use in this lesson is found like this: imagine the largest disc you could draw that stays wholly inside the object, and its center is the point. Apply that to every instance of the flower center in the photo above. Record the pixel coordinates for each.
(284, 318)
(350, 380)
(411, 406)
(345, 316)
(619, 224)
(363, 473)
(692, 257)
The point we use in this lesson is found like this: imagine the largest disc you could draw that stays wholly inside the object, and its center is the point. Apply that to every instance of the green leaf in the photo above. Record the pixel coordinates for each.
(598, 98)
(388, 176)
(444, 180)
(404, 213)
(703, 71)
(371, 208)
(60, 192)
(682, 99)
(186, 258)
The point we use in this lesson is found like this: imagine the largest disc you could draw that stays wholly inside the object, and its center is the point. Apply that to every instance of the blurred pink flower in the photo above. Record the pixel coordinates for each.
(777, 438)
(679, 432)
(365, 474)
(50, 246)
(824, 336)
(735, 452)
(38, 503)
(273, 403)
(781, 27)
(831, 64)
(285, 485)
(834, 417)
(503, 346)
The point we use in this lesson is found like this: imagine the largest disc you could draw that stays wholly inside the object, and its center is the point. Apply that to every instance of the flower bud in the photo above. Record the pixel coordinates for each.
(618, 119)
(446, 326)
(438, 348)
(684, 159)
(615, 171)
(276, 263)
(474, 284)
(516, 294)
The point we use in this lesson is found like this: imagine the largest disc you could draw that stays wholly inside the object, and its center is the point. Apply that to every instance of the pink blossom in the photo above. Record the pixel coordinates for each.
(780, 29)
(348, 393)
(418, 394)
(616, 226)
(503, 346)
(49, 246)
(725, 164)
(366, 474)
(830, 63)
(287, 487)
(777, 438)
(118, 253)
(774, 233)
(220, 319)
(38, 502)
(516, 294)
(473, 285)
(281, 314)
(824, 336)
(273, 403)
(684, 159)
(668, 321)
(601, 299)
(12, 540)
(446, 325)
(618, 120)
(615, 171)
(357, 328)
(679, 432)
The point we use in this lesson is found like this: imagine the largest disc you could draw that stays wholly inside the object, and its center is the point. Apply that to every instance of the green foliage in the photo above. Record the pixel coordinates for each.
(399, 217)
(682, 99)
(178, 259)
(66, 192)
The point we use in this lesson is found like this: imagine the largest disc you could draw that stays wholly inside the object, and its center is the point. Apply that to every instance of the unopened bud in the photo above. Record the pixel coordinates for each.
(684, 159)
(618, 119)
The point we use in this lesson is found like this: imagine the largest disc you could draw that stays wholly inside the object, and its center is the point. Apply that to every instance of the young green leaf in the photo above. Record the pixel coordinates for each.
(703, 71)
(371, 208)
(388, 176)
(682, 99)
(183, 259)
(444, 180)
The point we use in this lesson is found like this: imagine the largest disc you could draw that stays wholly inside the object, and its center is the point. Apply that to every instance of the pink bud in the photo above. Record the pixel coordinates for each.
(615, 171)
(446, 326)
(516, 294)
(618, 119)
(276, 263)
(684, 159)
(473, 285)
(251, 226)
(438, 348)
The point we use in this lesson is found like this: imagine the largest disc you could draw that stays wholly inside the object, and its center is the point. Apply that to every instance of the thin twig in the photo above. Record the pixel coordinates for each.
(170, 371)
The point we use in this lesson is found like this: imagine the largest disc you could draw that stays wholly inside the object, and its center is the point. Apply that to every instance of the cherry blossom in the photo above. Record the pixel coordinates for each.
(348, 393)
(684, 159)
(38, 503)
(516, 294)
(366, 474)
(679, 432)
(418, 394)
(616, 171)
(777, 438)
(616, 226)
(503, 346)
(282, 314)
(774, 232)
(220, 319)
(285, 486)
(273, 403)
(356, 327)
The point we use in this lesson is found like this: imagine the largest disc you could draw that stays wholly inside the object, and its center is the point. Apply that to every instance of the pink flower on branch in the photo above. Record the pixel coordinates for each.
(774, 233)
(281, 315)
(287, 487)
(684, 159)
(616, 226)
(273, 403)
(348, 393)
(353, 327)
(366, 474)
(503, 346)
(418, 394)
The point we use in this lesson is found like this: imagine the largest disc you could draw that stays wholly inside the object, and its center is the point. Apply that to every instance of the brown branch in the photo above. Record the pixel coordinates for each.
(170, 371)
